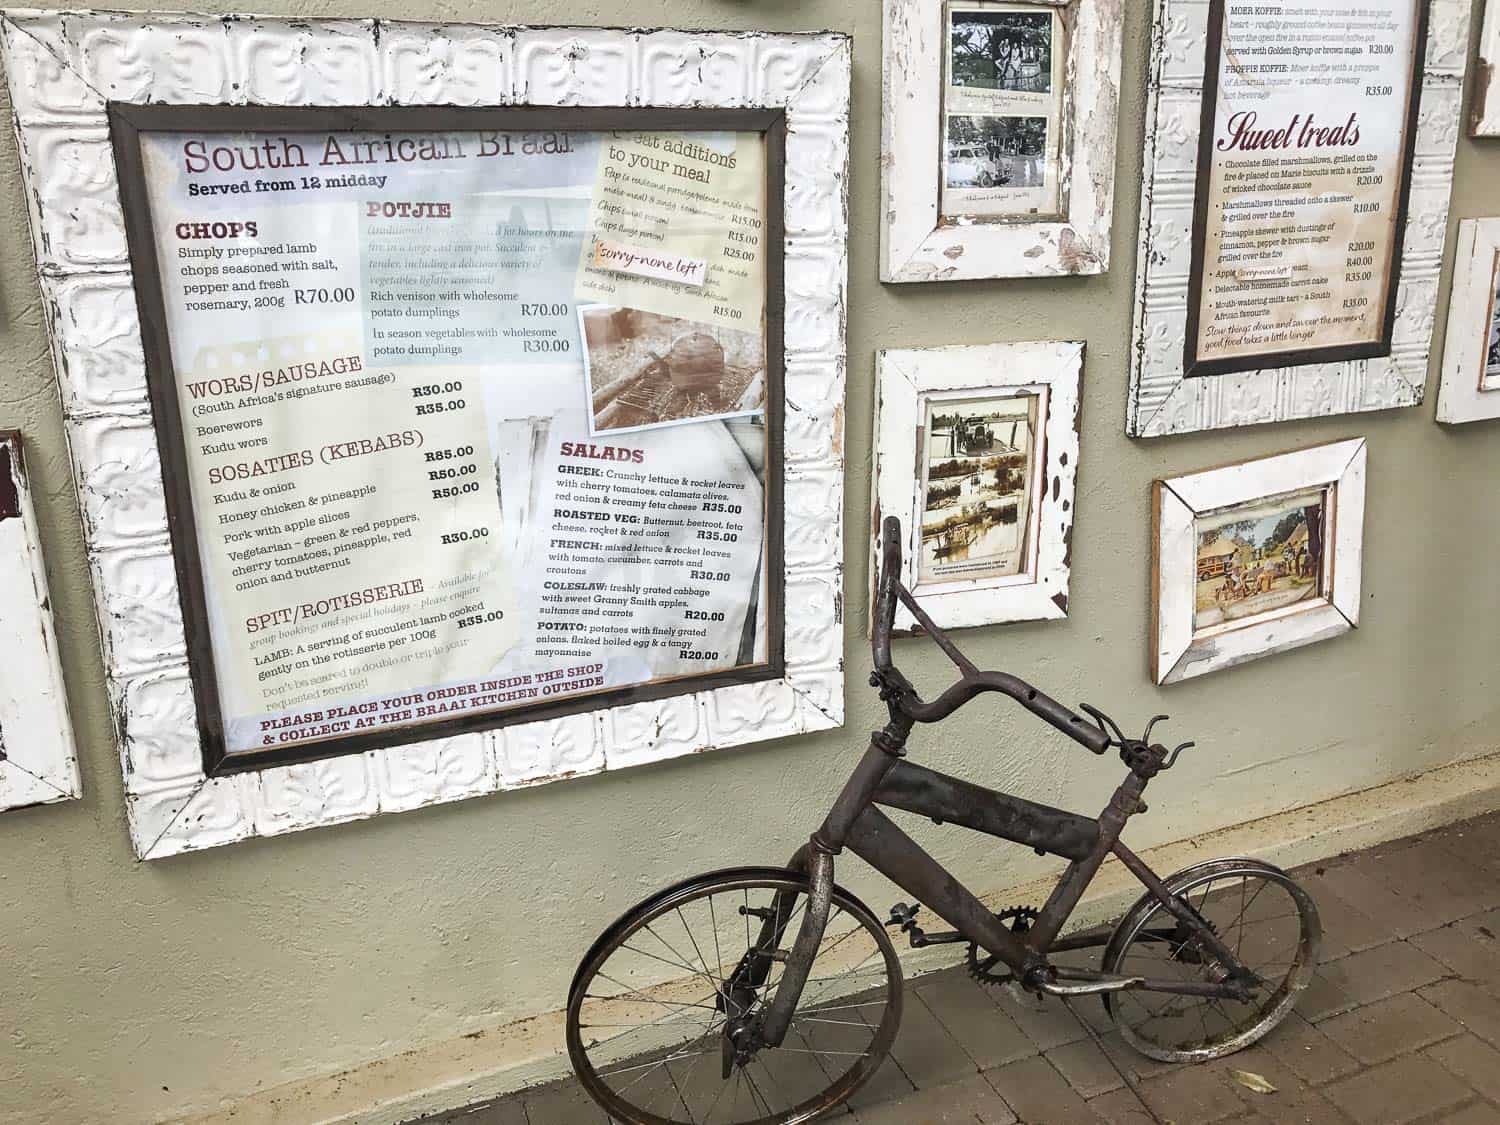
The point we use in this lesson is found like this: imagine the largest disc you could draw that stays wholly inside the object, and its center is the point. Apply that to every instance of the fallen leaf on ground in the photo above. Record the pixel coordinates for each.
(1252, 1081)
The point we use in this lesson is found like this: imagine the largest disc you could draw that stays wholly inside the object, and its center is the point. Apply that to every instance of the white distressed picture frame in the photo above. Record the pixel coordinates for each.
(1465, 393)
(1161, 401)
(1484, 110)
(63, 66)
(1177, 503)
(914, 244)
(38, 759)
(907, 381)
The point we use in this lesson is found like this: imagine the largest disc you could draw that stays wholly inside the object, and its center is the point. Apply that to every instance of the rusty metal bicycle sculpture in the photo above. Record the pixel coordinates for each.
(767, 996)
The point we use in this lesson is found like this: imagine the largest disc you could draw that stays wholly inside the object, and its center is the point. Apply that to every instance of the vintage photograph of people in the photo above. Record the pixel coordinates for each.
(1002, 111)
(645, 369)
(978, 493)
(1259, 558)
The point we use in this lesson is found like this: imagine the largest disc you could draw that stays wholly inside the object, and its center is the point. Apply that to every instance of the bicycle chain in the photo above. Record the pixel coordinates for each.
(1020, 919)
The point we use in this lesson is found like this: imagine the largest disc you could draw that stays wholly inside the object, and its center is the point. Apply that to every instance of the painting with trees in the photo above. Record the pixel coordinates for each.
(1002, 114)
(1259, 559)
(976, 516)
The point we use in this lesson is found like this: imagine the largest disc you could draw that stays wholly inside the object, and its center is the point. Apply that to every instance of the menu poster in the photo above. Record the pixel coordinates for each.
(1004, 68)
(1303, 172)
(470, 421)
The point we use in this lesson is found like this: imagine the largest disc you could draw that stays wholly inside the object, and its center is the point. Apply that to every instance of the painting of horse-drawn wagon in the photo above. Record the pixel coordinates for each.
(1259, 558)
(644, 369)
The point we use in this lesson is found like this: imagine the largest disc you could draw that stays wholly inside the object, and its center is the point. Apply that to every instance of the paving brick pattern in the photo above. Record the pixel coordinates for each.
(1401, 1025)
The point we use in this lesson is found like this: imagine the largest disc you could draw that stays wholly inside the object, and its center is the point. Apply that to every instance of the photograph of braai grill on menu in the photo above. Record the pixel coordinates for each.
(472, 420)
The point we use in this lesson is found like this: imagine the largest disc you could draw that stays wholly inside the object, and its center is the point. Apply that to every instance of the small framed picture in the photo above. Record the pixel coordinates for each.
(1470, 387)
(1256, 558)
(980, 467)
(1016, 99)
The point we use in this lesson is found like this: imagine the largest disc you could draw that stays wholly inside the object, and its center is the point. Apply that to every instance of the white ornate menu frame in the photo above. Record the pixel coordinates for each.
(64, 66)
(914, 244)
(1161, 400)
(1465, 394)
(38, 761)
(911, 379)
(1178, 653)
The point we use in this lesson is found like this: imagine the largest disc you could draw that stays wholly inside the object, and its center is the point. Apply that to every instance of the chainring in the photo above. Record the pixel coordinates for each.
(1019, 919)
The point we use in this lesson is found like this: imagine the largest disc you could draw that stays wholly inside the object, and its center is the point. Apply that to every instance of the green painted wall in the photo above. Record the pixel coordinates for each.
(132, 991)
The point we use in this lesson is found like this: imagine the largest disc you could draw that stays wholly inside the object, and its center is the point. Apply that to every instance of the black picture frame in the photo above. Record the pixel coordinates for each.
(127, 122)
(1192, 367)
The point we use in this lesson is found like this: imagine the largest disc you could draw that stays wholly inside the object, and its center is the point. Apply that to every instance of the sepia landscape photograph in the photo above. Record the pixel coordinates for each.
(645, 370)
(1001, 49)
(977, 505)
(1259, 558)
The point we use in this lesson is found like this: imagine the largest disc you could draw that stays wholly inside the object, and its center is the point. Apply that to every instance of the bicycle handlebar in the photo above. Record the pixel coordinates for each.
(888, 593)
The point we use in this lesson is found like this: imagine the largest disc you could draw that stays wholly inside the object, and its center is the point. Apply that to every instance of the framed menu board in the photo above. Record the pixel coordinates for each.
(1296, 185)
(466, 417)
(1304, 173)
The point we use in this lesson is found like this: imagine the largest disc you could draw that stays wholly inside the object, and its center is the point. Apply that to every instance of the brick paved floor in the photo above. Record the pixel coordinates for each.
(1401, 1024)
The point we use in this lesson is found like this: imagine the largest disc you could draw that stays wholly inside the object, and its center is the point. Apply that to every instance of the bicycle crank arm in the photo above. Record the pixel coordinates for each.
(1087, 982)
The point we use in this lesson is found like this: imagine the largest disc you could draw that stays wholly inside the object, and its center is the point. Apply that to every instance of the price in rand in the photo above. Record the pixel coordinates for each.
(320, 296)
(481, 618)
(450, 537)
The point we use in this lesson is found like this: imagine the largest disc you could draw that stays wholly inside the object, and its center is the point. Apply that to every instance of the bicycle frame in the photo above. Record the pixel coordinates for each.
(884, 778)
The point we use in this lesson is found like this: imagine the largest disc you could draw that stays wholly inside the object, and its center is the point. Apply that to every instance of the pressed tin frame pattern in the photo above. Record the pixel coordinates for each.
(1162, 401)
(64, 68)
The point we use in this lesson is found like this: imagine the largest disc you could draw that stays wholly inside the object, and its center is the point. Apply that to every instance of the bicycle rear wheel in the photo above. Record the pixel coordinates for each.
(1263, 917)
(652, 1000)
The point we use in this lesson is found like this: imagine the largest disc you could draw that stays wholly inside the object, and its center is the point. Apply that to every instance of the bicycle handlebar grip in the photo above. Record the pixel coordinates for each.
(1074, 725)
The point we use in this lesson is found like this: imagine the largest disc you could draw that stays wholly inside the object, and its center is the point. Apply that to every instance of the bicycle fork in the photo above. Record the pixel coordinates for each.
(744, 1033)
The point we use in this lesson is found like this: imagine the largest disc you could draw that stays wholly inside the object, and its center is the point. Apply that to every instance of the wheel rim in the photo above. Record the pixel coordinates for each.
(1265, 918)
(647, 1014)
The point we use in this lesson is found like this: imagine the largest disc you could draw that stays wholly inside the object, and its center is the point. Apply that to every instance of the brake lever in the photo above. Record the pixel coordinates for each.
(1171, 760)
(1106, 725)
(1151, 726)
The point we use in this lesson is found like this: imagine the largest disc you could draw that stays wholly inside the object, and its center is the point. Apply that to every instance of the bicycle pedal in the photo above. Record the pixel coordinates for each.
(902, 915)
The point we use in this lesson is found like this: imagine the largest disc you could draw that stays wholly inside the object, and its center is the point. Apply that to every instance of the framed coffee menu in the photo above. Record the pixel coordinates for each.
(1304, 171)
(466, 418)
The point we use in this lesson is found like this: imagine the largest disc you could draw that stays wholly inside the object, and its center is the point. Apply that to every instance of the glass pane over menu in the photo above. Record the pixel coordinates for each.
(1302, 181)
(471, 420)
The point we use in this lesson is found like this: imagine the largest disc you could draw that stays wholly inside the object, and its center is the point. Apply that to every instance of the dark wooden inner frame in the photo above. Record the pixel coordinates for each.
(128, 121)
(1192, 367)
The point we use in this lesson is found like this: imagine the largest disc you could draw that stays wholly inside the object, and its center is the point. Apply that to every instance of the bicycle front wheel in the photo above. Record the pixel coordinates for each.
(655, 1003)
(1260, 914)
